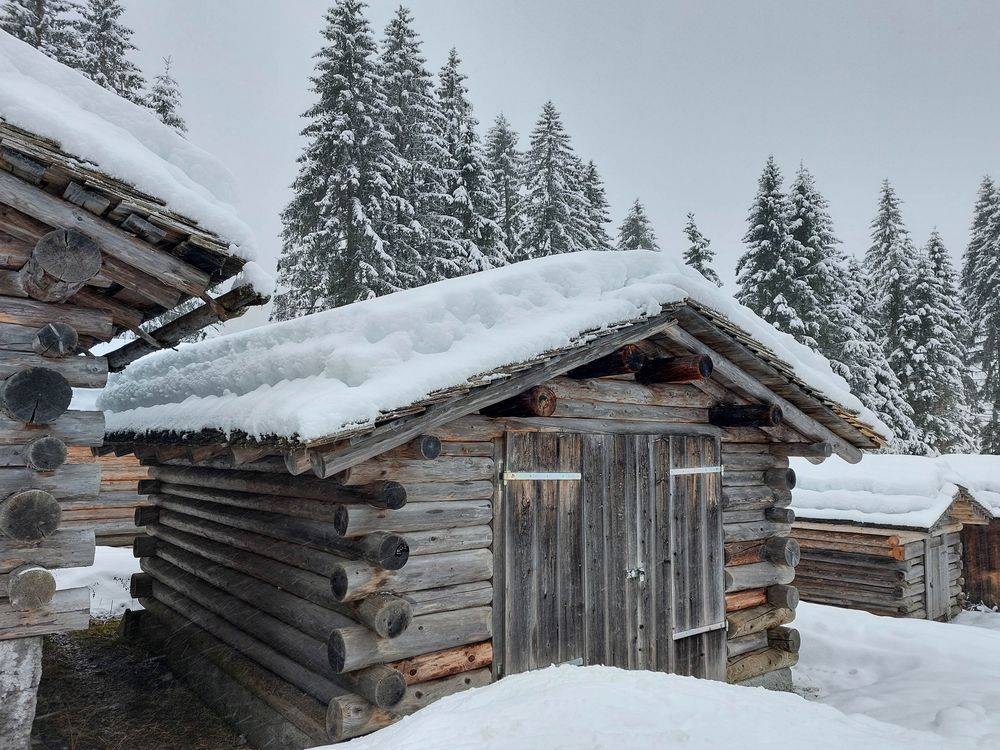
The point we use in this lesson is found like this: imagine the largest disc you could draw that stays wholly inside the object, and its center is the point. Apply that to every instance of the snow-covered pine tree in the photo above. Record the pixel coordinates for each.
(699, 254)
(555, 207)
(165, 99)
(45, 25)
(598, 210)
(987, 313)
(818, 262)
(936, 355)
(334, 250)
(415, 126)
(105, 43)
(773, 273)
(861, 361)
(472, 239)
(636, 231)
(505, 163)
(890, 265)
(980, 240)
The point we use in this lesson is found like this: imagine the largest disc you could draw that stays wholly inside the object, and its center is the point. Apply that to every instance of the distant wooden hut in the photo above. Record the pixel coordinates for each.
(89, 248)
(886, 536)
(360, 511)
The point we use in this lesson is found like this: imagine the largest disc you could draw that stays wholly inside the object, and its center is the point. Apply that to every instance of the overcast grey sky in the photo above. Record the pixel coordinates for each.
(678, 103)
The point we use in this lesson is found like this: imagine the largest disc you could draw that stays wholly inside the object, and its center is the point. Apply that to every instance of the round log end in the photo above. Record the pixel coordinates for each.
(382, 685)
(45, 454)
(633, 358)
(336, 652)
(783, 595)
(29, 516)
(55, 340)
(30, 588)
(68, 255)
(543, 401)
(705, 366)
(393, 495)
(390, 551)
(340, 519)
(429, 447)
(784, 551)
(347, 716)
(339, 583)
(389, 616)
(36, 395)
(774, 415)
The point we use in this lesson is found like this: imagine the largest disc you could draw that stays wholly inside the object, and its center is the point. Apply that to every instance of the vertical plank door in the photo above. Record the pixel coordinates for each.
(611, 553)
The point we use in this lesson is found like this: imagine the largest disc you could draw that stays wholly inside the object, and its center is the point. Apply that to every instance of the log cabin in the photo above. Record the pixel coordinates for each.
(577, 459)
(891, 535)
(108, 220)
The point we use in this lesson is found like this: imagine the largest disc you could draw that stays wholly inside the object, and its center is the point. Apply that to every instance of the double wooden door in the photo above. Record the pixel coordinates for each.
(609, 551)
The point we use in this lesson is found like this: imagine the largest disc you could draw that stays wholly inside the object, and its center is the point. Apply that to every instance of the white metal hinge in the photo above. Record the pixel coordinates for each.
(678, 634)
(550, 476)
(639, 573)
(698, 470)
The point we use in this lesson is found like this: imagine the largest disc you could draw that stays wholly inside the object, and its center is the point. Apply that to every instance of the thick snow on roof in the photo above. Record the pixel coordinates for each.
(594, 708)
(891, 490)
(315, 376)
(121, 139)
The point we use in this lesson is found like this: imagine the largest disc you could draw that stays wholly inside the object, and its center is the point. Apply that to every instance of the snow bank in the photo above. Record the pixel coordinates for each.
(121, 139)
(314, 376)
(108, 581)
(599, 708)
(891, 490)
(937, 678)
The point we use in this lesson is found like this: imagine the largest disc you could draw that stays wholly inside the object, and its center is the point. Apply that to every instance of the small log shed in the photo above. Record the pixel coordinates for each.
(979, 475)
(84, 257)
(620, 498)
(890, 536)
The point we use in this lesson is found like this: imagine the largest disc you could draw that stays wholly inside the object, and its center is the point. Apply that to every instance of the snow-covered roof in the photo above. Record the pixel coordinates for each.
(118, 139)
(893, 490)
(319, 375)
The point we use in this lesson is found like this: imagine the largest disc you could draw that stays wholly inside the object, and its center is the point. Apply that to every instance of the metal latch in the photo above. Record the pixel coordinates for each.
(550, 476)
(639, 573)
(698, 470)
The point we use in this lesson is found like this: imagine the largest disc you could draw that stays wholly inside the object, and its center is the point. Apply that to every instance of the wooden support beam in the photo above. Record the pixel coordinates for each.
(37, 395)
(539, 401)
(745, 415)
(80, 371)
(805, 450)
(687, 369)
(27, 312)
(627, 360)
(234, 302)
(68, 610)
(63, 548)
(56, 212)
(84, 428)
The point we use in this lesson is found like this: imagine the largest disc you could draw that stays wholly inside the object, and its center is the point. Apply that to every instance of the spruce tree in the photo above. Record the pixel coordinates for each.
(105, 43)
(505, 163)
(472, 240)
(555, 207)
(816, 261)
(414, 124)
(598, 210)
(987, 312)
(861, 361)
(772, 273)
(699, 254)
(936, 358)
(636, 231)
(890, 266)
(45, 25)
(334, 250)
(165, 99)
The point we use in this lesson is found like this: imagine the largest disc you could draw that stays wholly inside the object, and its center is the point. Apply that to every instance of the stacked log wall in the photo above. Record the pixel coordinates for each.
(981, 563)
(364, 613)
(882, 571)
(111, 511)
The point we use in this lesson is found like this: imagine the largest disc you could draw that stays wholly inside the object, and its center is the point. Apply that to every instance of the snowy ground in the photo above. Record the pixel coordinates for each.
(108, 581)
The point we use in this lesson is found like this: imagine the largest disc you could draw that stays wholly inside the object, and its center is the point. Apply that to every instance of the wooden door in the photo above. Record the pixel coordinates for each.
(937, 594)
(609, 551)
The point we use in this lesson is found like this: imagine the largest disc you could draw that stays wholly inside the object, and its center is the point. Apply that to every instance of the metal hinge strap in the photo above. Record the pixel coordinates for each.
(551, 476)
(697, 470)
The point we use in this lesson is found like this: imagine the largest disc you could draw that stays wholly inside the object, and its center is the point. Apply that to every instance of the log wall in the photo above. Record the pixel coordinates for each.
(899, 573)
(981, 563)
(111, 511)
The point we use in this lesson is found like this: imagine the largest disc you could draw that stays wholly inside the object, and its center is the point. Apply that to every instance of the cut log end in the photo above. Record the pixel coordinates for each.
(382, 685)
(336, 652)
(745, 415)
(384, 550)
(783, 596)
(30, 515)
(36, 395)
(539, 401)
(62, 262)
(30, 587)
(627, 360)
(45, 454)
(55, 340)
